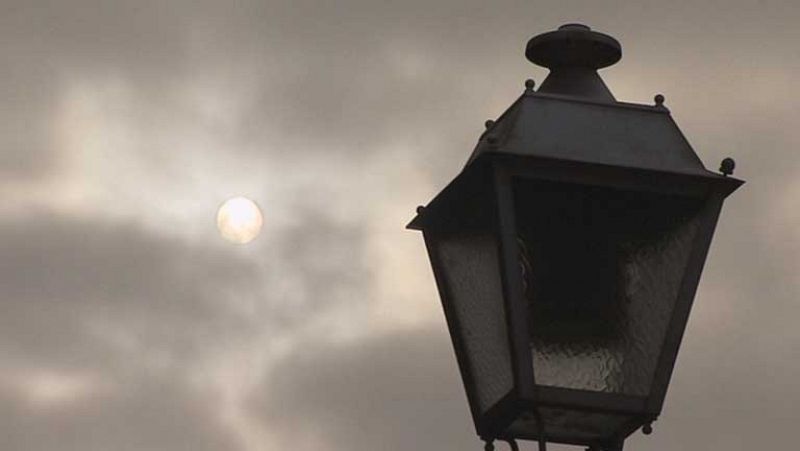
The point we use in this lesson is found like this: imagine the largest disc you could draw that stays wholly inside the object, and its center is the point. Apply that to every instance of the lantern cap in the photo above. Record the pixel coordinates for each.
(573, 53)
(573, 45)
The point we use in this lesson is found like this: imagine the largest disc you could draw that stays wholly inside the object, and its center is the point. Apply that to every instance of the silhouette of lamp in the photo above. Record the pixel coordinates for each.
(568, 251)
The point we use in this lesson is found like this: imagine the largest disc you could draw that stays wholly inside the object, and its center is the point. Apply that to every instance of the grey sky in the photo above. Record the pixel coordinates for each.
(127, 323)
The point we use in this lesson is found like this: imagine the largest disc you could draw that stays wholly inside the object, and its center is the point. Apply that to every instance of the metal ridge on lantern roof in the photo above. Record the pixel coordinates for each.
(658, 108)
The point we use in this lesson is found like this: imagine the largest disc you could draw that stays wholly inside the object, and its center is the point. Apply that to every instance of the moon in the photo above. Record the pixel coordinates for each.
(239, 220)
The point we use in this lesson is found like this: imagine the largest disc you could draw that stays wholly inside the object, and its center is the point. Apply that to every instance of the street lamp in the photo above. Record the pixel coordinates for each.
(568, 251)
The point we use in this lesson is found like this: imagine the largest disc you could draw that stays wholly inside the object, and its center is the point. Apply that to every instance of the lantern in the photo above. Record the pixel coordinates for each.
(568, 251)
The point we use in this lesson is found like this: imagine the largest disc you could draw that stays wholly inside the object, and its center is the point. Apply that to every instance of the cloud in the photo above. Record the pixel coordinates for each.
(75, 291)
(399, 391)
(106, 320)
(342, 117)
(144, 415)
(107, 330)
(44, 45)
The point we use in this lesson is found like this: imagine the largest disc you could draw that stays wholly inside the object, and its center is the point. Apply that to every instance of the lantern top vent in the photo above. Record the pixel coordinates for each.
(573, 45)
(573, 53)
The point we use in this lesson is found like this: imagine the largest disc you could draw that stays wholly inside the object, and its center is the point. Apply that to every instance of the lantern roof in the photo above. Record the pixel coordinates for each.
(586, 130)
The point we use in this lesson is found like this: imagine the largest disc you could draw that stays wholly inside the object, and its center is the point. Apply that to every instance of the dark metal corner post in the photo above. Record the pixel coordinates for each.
(568, 251)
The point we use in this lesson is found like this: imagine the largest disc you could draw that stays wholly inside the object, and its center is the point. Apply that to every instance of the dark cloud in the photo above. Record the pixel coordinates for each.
(322, 263)
(132, 309)
(398, 391)
(152, 415)
(141, 310)
(67, 283)
(68, 280)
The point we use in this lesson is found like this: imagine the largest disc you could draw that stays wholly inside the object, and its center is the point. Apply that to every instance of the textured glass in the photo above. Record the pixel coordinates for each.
(472, 278)
(601, 271)
(569, 425)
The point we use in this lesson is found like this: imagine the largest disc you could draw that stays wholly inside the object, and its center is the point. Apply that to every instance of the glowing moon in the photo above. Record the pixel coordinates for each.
(239, 220)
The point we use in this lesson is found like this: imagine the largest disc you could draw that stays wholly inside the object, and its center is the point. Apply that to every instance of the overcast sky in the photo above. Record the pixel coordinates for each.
(127, 323)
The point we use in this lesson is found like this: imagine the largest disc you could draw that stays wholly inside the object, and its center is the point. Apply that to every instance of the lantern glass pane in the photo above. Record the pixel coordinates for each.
(601, 272)
(471, 273)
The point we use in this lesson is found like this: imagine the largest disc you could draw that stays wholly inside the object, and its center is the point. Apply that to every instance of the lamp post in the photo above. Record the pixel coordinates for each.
(568, 251)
